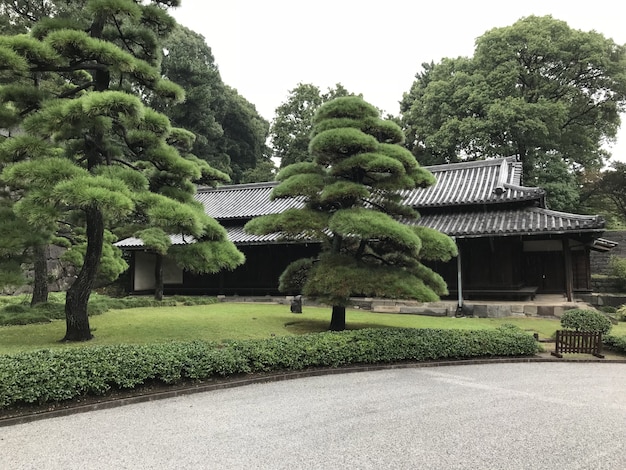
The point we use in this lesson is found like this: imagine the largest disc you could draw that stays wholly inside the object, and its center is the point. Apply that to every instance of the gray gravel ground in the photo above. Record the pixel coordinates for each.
(492, 416)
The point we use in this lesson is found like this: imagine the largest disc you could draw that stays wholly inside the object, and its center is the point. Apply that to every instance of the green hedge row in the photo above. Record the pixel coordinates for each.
(52, 376)
(17, 311)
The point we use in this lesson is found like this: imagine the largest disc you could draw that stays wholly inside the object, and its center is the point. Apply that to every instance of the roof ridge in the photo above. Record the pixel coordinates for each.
(236, 186)
(469, 164)
(545, 210)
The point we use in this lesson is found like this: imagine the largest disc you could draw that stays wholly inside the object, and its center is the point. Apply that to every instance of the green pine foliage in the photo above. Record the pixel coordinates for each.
(352, 204)
(86, 157)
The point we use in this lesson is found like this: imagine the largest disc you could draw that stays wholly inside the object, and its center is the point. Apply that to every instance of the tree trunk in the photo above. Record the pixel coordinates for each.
(158, 277)
(77, 298)
(40, 284)
(338, 319)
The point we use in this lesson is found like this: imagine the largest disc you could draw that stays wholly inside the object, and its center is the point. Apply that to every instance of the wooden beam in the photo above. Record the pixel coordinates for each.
(459, 276)
(569, 273)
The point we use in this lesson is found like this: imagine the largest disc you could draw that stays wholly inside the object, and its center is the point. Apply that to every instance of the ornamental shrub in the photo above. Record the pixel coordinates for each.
(65, 374)
(616, 342)
(585, 320)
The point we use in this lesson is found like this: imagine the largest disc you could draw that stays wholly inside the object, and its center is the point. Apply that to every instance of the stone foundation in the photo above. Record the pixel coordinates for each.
(490, 309)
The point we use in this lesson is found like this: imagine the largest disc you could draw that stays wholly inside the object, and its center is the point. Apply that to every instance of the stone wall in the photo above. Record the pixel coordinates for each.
(60, 274)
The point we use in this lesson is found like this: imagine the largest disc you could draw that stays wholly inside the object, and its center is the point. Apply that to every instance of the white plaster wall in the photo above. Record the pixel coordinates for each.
(144, 271)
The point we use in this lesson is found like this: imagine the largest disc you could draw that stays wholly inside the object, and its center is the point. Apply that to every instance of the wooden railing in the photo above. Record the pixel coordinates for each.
(581, 342)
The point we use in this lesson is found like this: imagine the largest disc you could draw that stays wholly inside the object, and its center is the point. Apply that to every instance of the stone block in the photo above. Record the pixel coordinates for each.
(428, 311)
(530, 310)
(498, 311)
(545, 310)
(481, 311)
(517, 309)
(385, 309)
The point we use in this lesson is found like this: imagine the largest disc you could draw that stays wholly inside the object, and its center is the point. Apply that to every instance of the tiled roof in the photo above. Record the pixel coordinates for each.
(482, 182)
(243, 201)
(522, 221)
(133, 242)
(466, 186)
(235, 233)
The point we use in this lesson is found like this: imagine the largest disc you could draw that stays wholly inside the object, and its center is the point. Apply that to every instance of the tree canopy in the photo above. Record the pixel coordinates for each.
(82, 150)
(604, 193)
(230, 134)
(539, 90)
(353, 206)
(291, 128)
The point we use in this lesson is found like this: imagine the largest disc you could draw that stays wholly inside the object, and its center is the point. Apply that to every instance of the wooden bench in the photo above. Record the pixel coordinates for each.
(581, 342)
(522, 293)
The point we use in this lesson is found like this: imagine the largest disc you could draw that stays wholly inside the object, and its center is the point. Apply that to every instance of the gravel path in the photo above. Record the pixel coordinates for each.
(492, 416)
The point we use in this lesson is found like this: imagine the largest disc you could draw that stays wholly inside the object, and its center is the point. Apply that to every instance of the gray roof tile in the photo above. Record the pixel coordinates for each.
(243, 201)
(469, 183)
(465, 186)
(522, 221)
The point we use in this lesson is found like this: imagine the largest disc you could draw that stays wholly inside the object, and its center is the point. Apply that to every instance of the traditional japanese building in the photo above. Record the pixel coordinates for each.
(510, 243)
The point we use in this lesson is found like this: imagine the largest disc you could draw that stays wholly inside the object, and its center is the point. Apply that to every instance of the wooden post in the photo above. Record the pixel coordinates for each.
(569, 273)
(459, 277)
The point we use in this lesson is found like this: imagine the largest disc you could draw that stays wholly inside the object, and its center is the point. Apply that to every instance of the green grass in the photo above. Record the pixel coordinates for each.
(223, 321)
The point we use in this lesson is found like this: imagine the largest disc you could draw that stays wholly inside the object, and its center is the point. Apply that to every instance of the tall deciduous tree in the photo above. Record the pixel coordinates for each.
(611, 187)
(90, 153)
(230, 133)
(245, 133)
(539, 90)
(291, 128)
(354, 207)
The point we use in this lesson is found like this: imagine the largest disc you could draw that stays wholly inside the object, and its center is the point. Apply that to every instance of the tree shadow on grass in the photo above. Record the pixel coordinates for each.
(311, 325)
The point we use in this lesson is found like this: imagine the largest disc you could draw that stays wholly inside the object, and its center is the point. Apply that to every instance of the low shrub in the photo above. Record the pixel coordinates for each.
(607, 309)
(17, 311)
(621, 313)
(57, 375)
(615, 342)
(585, 320)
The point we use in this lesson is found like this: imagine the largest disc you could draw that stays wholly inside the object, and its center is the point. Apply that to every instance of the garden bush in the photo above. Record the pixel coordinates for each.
(17, 311)
(607, 309)
(621, 313)
(615, 342)
(57, 375)
(585, 320)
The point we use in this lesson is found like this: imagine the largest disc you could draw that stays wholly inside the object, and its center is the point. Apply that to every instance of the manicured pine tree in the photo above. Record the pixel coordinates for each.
(113, 162)
(352, 190)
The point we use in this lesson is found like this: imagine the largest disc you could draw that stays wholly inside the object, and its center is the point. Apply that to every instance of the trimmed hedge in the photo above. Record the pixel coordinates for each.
(52, 376)
(586, 320)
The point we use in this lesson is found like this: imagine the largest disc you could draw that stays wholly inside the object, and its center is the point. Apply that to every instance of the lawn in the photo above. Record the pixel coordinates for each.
(227, 321)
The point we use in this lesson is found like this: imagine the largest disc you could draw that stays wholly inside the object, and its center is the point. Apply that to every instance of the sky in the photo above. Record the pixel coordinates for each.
(264, 48)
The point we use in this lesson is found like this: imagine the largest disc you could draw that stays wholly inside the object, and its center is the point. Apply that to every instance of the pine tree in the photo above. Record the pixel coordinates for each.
(90, 154)
(354, 206)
